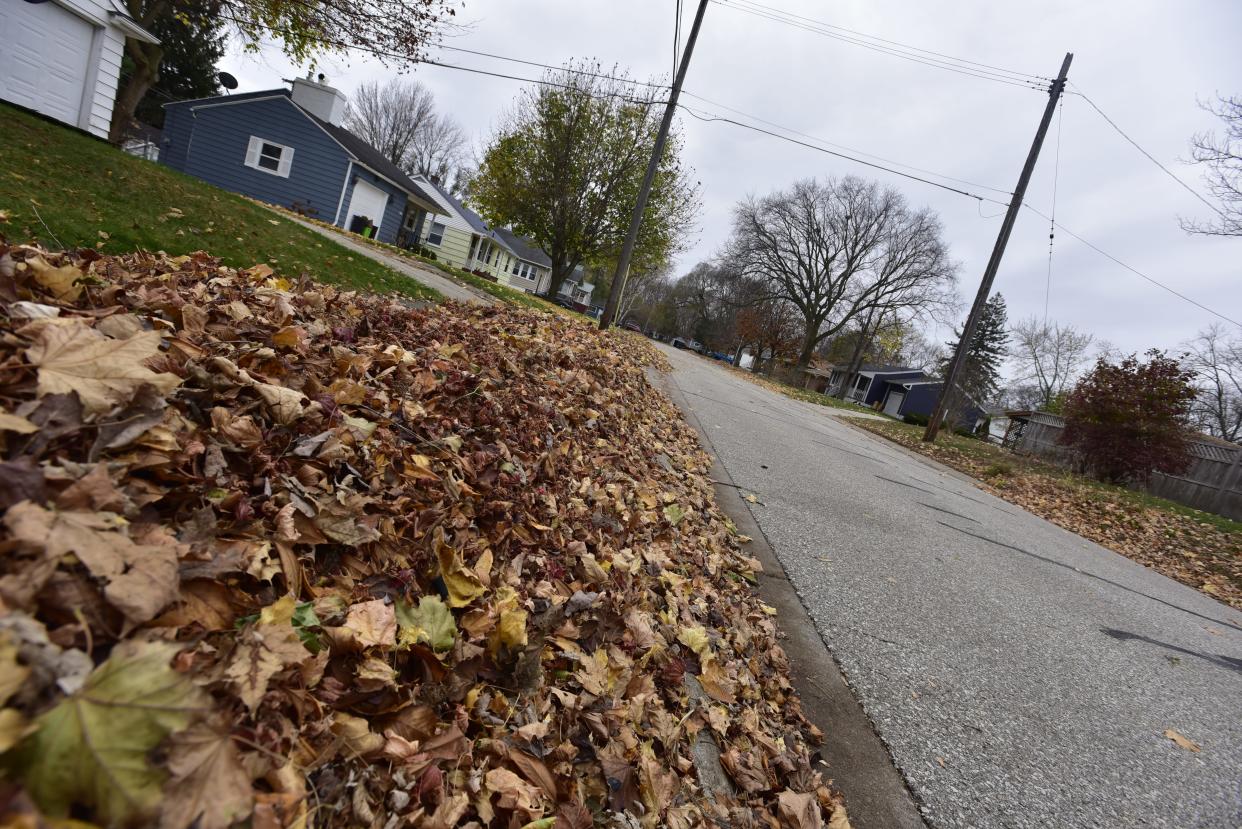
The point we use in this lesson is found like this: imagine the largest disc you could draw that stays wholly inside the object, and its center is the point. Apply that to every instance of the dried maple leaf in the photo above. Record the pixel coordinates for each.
(103, 372)
(208, 788)
(92, 748)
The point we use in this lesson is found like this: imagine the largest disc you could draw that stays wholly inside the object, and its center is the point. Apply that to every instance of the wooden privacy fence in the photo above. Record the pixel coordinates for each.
(1212, 482)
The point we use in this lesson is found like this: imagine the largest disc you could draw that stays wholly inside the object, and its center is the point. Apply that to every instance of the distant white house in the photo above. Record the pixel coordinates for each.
(63, 58)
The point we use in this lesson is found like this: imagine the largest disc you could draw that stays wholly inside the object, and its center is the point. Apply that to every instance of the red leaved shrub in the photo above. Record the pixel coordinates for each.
(1129, 419)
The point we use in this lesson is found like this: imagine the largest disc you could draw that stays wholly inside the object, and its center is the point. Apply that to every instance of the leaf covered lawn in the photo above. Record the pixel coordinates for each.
(277, 555)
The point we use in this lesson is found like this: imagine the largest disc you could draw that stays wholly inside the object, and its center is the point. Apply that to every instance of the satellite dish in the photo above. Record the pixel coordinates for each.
(226, 80)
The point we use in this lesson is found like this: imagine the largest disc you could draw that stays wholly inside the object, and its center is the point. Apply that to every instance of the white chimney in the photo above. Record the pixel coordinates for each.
(319, 99)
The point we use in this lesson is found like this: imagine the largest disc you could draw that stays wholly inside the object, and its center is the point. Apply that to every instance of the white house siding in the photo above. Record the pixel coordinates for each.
(98, 83)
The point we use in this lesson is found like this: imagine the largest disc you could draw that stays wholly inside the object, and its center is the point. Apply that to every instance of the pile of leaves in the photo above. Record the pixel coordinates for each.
(1197, 553)
(277, 555)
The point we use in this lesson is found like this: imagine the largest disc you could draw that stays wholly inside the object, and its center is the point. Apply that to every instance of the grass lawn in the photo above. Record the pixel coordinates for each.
(63, 189)
(502, 292)
(1196, 548)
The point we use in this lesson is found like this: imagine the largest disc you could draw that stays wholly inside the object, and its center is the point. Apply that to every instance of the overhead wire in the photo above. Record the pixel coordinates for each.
(932, 62)
(896, 43)
(1130, 268)
(1192, 191)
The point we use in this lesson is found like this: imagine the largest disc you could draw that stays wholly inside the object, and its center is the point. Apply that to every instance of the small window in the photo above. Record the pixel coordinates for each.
(269, 157)
(517, 268)
(436, 235)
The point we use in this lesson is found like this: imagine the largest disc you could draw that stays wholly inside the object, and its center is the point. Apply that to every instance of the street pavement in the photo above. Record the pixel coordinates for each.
(1020, 675)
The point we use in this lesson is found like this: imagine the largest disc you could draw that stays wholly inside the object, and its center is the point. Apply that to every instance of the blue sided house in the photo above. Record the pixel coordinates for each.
(287, 147)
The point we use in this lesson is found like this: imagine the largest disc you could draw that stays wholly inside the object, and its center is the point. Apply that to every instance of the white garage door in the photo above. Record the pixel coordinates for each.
(44, 54)
(893, 404)
(367, 200)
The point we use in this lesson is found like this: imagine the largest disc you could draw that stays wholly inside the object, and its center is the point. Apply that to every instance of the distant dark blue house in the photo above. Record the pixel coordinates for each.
(287, 147)
(896, 390)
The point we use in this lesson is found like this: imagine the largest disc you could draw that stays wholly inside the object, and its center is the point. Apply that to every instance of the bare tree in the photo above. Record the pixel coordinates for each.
(920, 351)
(839, 248)
(1216, 360)
(1222, 155)
(1048, 358)
(400, 120)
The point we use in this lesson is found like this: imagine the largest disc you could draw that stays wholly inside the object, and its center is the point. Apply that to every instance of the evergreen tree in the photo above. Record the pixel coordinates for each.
(980, 375)
(191, 43)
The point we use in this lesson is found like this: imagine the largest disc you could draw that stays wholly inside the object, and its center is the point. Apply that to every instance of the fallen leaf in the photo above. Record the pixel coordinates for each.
(92, 748)
(461, 583)
(372, 623)
(103, 372)
(430, 622)
(208, 788)
(16, 423)
(62, 282)
(799, 810)
(1182, 740)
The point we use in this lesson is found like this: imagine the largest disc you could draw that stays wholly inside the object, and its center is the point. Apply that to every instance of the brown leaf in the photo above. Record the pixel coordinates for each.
(799, 811)
(141, 578)
(1182, 740)
(263, 650)
(103, 372)
(372, 623)
(534, 770)
(208, 787)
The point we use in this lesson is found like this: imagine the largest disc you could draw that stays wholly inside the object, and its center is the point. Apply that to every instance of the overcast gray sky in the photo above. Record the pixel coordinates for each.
(1145, 63)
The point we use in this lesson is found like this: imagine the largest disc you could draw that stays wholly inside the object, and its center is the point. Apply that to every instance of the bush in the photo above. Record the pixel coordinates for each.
(426, 252)
(1130, 419)
(916, 419)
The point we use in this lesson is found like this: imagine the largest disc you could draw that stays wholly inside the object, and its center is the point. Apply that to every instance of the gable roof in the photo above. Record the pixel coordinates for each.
(376, 161)
(360, 150)
(524, 249)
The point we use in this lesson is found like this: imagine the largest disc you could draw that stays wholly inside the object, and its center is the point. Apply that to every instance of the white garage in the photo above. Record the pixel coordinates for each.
(63, 58)
(367, 200)
(892, 406)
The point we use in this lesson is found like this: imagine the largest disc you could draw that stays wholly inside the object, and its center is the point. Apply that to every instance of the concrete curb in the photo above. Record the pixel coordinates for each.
(857, 760)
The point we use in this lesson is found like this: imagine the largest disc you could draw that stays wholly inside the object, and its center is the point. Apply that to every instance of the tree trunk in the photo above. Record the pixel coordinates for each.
(146, 58)
(808, 346)
(560, 272)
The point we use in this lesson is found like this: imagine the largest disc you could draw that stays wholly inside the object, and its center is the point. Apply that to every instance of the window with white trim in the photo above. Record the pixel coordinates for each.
(269, 156)
(436, 235)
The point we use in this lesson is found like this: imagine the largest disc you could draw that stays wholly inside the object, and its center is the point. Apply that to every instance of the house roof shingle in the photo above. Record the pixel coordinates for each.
(524, 249)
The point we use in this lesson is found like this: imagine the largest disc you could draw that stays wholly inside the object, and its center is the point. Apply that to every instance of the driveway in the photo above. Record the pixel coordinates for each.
(1020, 675)
(431, 277)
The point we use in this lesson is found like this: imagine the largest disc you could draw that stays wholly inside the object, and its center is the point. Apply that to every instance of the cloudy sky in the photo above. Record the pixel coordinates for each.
(1144, 62)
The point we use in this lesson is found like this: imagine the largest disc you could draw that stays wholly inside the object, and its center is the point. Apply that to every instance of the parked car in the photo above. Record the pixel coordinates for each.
(685, 344)
(565, 303)
(632, 326)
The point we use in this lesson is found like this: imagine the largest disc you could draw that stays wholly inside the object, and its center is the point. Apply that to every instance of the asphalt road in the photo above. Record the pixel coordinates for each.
(1020, 675)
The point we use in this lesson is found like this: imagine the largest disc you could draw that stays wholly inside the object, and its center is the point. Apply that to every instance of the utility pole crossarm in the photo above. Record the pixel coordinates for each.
(998, 251)
(636, 220)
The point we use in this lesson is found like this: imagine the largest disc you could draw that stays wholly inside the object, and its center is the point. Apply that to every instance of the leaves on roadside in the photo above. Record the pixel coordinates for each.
(1182, 740)
(350, 563)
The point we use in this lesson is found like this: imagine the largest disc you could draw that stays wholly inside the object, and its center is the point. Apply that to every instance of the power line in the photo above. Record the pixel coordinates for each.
(895, 42)
(932, 62)
(604, 75)
(1132, 270)
(714, 117)
(854, 150)
(1148, 155)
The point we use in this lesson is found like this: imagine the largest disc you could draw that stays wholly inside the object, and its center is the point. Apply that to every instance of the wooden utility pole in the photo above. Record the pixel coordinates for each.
(1002, 239)
(636, 220)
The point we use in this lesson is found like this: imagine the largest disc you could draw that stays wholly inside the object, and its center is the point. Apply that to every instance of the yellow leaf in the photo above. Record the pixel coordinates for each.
(12, 675)
(372, 623)
(511, 632)
(62, 282)
(279, 611)
(104, 372)
(14, 728)
(462, 585)
(695, 638)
